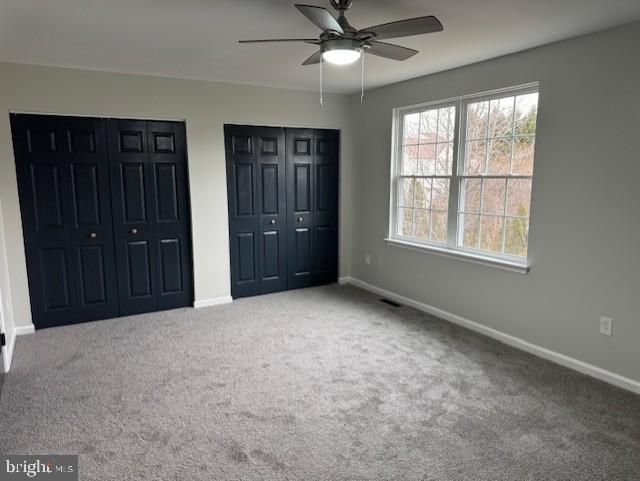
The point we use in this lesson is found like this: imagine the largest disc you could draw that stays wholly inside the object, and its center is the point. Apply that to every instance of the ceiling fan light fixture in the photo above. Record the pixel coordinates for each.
(341, 56)
(341, 51)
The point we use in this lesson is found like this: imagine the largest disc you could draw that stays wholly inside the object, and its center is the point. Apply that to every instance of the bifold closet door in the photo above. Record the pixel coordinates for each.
(312, 206)
(63, 183)
(149, 189)
(257, 209)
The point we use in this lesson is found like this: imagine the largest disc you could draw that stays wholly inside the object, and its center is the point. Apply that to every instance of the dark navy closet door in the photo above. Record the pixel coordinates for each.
(133, 214)
(326, 211)
(257, 209)
(283, 207)
(167, 156)
(92, 227)
(300, 206)
(150, 214)
(312, 206)
(63, 183)
(270, 156)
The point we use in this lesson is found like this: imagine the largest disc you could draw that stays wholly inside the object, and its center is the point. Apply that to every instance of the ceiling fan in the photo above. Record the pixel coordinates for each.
(342, 44)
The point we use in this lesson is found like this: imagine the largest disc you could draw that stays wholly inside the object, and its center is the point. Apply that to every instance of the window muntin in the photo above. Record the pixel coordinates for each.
(478, 164)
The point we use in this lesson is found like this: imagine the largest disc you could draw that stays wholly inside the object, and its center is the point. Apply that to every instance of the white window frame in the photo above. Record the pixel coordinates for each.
(450, 249)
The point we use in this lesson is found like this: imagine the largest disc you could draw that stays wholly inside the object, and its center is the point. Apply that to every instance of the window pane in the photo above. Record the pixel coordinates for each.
(517, 233)
(409, 159)
(422, 224)
(445, 159)
(499, 157)
(411, 129)
(526, 112)
(491, 233)
(470, 224)
(523, 148)
(423, 193)
(446, 124)
(405, 188)
(475, 157)
(427, 159)
(440, 194)
(519, 197)
(471, 195)
(439, 226)
(493, 196)
(405, 222)
(429, 126)
(501, 117)
(477, 120)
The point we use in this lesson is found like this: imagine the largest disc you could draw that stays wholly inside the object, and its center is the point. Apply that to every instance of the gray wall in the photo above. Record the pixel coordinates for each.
(205, 106)
(585, 226)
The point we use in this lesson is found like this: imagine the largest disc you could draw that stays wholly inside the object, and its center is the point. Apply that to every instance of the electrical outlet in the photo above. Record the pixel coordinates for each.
(367, 258)
(606, 326)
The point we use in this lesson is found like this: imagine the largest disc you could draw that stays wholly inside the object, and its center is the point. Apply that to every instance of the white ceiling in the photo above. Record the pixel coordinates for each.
(197, 39)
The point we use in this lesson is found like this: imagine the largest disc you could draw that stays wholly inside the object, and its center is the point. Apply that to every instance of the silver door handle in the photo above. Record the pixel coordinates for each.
(272, 221)
(93, 236)
(133, 231)
(300, 219)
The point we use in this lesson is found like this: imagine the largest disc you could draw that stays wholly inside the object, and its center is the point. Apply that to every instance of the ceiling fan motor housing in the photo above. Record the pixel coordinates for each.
(341, 44)
(342, 4)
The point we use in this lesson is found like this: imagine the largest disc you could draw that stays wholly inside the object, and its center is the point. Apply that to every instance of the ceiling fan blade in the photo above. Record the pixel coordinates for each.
(306, 40)
(321, 17)
(314, 59)
(389, 50)
(404, 28)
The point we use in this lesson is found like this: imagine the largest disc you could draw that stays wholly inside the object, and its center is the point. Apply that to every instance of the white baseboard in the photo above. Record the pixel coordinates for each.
(215, 301)
(11, 342)
(24, 330)
(7, 353)
(566, 361)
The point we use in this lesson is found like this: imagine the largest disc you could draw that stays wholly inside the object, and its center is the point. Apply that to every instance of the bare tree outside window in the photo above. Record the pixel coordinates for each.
(472, 157)
(425, 174)
(495, 193)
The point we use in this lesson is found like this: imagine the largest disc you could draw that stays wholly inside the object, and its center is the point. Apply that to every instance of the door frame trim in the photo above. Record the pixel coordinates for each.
(98, 116)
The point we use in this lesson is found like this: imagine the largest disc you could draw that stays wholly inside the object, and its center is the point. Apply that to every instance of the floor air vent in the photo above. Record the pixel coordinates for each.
(391, 303)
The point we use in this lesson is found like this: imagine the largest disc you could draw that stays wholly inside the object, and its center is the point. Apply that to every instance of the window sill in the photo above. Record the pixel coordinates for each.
(505, 264)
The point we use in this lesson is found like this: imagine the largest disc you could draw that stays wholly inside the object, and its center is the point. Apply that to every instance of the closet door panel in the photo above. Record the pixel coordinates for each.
(133, 206)
(92, 227)
(44, 189)
(300, 200)
(270, 159)
(151, 214)
(243, 210)
(63, 183)
(167, 157)
(325, 254)
(257, 209)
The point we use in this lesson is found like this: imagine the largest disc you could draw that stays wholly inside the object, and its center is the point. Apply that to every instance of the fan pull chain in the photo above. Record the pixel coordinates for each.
(362, 81)
(321, 81)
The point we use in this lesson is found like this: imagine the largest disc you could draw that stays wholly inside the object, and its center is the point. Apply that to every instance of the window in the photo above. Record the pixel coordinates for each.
(462, 174)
